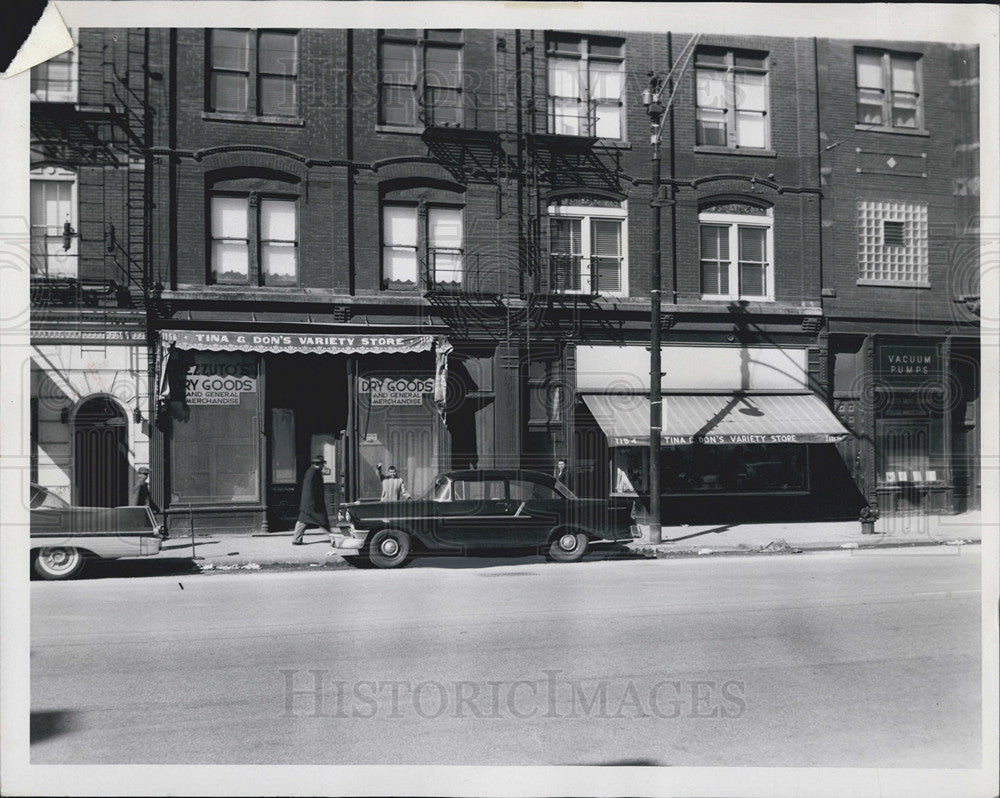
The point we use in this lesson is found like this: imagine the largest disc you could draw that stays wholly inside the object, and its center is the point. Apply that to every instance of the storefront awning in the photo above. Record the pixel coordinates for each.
(717, 419)
(372, 343)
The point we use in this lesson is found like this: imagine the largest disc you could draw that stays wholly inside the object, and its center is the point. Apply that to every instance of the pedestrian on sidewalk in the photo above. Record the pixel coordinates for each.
(393, 489)
(312, 507)
(140, 496)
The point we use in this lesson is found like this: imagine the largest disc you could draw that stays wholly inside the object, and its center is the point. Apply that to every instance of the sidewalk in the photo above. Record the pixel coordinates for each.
(915, 530)
(254, 551)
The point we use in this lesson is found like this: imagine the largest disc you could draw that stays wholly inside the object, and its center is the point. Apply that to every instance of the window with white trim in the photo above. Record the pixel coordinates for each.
(892, 243)
(254, 240)
(586, 81)
(588, 243)
(422, 244)
(731, 98)
(253, 72)
(889, 90)
(56, 80)
(737, 243)
(53, 216)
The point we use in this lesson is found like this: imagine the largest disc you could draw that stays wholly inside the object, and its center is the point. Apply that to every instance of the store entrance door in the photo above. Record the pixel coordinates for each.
(306, 415)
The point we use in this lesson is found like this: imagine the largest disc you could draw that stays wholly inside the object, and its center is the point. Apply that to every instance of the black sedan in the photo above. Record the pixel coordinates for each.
(466, 511)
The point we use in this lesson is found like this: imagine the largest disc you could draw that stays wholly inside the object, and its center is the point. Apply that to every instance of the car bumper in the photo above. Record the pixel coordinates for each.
(348, 538)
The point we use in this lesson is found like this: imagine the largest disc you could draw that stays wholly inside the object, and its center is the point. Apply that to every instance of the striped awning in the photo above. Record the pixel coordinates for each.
(718, 419)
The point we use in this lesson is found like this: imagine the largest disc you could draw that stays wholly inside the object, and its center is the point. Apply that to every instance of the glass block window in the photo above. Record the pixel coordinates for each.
(892, 242)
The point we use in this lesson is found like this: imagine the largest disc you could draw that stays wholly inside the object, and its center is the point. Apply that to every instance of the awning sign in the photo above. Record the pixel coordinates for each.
(297, 343)
(387, 391)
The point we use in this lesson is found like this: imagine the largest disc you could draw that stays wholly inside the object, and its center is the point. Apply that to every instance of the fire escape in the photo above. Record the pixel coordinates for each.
(507, 136)
(97, 129)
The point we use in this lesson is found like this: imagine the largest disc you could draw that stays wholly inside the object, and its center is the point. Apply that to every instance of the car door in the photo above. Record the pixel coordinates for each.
(536, 508)
(479, 514)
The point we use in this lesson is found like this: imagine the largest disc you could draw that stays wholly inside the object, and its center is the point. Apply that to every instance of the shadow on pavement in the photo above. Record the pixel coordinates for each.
(715, 530)
(494, 559)
(147, 566)
(44, 725)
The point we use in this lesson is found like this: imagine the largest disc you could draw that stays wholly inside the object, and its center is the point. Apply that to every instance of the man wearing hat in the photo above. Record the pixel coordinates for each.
(312, 507)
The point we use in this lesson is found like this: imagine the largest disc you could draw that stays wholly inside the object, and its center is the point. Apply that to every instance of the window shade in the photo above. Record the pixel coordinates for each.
(230, 49)
(229, 217)
(442, 67)
(277, 220)
(277, 53)
(229, 92)
(445, 227)
(399, 225)
(870, 71)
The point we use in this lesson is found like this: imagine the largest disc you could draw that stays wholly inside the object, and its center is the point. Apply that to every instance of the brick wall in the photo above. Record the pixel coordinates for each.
(856, 166)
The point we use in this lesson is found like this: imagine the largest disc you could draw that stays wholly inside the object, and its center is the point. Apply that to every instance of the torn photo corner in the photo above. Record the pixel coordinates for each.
(50, 37)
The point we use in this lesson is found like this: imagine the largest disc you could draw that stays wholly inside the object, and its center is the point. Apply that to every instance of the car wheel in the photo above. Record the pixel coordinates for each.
(567, 546)
(59, 562)
(389, 548)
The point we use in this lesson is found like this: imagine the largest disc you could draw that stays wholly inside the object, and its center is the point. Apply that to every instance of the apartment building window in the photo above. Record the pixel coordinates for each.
(55, 80)
(253, 72)
(586, 78)
(254, 240)
(732, 98)
(736, 247)
(889, 95)
(54, 226)
(892, 243)
(587, 247)
(420, 78)
(422, 244)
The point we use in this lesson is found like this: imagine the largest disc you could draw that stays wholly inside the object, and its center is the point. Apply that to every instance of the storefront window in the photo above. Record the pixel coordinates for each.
(749, 468)
(215, 451)
(398, 425)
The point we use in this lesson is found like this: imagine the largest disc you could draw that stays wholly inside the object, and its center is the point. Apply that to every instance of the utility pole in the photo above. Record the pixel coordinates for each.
(656, 111)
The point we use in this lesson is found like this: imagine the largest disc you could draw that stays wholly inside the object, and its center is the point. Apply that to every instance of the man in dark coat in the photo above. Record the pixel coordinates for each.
(312, 507)
(139, 496)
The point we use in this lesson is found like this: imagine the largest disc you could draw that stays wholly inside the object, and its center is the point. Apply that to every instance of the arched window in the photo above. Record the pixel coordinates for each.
(253, 231)
(423, 237)
(737, 245)
(588, 246)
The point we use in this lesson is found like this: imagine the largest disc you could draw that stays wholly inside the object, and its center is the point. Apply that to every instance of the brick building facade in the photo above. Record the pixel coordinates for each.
(433, 248)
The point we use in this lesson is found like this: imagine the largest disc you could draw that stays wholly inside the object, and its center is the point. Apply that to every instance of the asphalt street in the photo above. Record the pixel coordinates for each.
(854, 659)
